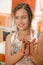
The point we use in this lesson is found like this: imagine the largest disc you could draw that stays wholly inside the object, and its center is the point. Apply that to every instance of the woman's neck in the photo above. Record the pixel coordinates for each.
(25, 32)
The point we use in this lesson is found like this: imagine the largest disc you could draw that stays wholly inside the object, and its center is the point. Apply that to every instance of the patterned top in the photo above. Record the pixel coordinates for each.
(16, 46)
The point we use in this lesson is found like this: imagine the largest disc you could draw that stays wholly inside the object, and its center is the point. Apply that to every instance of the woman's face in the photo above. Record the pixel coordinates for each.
(21, 19)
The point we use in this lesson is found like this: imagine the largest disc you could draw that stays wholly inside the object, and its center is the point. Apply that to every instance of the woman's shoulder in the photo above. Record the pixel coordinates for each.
(11, 35)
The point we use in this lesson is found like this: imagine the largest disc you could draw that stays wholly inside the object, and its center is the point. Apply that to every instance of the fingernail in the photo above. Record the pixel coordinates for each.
(23, 41)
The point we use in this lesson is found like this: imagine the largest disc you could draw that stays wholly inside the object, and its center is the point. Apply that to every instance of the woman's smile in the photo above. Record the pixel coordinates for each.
(21, 25)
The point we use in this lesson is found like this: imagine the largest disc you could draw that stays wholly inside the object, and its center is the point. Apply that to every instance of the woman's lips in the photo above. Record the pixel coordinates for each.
(21, 25)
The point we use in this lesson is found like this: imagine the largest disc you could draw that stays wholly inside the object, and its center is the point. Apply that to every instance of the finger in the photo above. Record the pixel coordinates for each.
(32, 52)
(23, 42)
(23, 45)
(33, 44)
(33, 40)
(27, 41)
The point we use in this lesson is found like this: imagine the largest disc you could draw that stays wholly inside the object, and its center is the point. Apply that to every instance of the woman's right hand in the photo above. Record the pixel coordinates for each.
(27, 48)
(23, 46)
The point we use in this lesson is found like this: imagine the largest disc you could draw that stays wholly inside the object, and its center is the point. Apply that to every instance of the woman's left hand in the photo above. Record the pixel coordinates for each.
(33, 47)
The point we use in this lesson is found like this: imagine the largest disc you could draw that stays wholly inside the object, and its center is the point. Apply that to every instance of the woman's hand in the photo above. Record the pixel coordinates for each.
(27, 48)
(23, 46)
(33, 47)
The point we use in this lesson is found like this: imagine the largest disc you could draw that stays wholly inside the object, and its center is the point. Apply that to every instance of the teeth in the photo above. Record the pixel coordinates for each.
(21, 25)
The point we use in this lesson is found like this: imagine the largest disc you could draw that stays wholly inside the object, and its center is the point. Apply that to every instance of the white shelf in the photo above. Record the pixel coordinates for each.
(2, 48)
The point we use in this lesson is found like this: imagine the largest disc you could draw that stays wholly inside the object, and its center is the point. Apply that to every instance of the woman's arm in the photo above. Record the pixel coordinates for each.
(12, 59)
(36, 60)
(38, 57)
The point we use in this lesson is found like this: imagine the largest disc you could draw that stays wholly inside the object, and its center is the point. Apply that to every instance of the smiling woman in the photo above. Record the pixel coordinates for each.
(20, 46)
(19, 50)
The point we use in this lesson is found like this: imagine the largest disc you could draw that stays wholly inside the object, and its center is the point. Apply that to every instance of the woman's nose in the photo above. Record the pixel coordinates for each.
(20, 20)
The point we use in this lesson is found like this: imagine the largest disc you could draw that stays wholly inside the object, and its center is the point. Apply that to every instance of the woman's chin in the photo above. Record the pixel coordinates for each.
(21, 29)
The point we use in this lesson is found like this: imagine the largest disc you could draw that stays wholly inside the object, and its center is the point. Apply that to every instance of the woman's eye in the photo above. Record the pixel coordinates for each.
(23, 17)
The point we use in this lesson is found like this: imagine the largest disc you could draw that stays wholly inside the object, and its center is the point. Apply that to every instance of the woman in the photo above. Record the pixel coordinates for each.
(18, 50)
